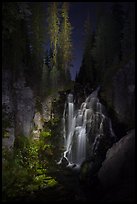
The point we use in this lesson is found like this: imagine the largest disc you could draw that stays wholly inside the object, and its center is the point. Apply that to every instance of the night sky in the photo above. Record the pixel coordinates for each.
(78, 14)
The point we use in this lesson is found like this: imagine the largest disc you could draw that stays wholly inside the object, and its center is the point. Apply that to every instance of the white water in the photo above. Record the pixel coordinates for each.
(88, 123)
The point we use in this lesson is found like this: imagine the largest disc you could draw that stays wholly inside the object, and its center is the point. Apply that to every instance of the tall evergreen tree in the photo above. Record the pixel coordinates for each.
(53, 31)
(59, 29)
(14, 36)
(86, 73)
(53, 28)
(107, 44)
(65, 43)
(38, 31)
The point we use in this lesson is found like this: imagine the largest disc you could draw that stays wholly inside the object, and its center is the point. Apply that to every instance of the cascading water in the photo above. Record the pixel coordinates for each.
(88, 125)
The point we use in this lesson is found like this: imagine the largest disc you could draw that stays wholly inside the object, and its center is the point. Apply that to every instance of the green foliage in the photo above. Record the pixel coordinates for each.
(26, 169)
(53, 28)
(65, 43)
(45, 134)
(52, 182)
(59, 29)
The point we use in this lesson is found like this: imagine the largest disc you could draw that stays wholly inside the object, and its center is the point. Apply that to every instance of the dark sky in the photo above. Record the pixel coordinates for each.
(78, 14)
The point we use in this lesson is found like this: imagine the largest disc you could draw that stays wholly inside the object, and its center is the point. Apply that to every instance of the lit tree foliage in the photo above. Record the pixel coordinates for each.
(53, 32)
(65, 43)
(59, 30)
(53, 28)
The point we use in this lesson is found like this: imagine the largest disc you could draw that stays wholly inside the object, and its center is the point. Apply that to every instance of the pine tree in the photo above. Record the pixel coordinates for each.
(65, 43)
(107, 45)
(53, 29)
(59, 30)
(37, 32)
(86, 73)
(15, 36)
(53, 32)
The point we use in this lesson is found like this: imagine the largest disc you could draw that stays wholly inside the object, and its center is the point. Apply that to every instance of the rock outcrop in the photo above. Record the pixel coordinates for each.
(25, 107)
(119, 94)
(119, 165)
(18, 107)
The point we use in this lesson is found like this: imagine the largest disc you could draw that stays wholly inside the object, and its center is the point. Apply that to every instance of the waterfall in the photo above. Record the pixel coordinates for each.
(87, 125)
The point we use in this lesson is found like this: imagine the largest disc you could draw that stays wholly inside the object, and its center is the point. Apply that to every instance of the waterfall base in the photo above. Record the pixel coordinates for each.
(86, 130)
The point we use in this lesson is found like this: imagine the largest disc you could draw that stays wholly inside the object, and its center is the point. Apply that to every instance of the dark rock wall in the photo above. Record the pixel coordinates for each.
(117, 174)
(18, 107)
(119, 162)
(119, 95)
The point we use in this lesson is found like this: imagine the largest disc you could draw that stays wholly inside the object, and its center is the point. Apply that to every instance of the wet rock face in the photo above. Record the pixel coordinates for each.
(7, 98)
(7, 101)
(24, 108)
(7, 111)
(119, 163)
(38, 121)
(18, 105)
(47, 109)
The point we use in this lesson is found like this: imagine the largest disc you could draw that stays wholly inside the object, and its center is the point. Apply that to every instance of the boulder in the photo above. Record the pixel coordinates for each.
(119, 164)
(64, 162)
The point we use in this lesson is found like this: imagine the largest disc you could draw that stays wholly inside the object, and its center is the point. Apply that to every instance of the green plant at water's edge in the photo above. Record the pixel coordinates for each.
(26, 169)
